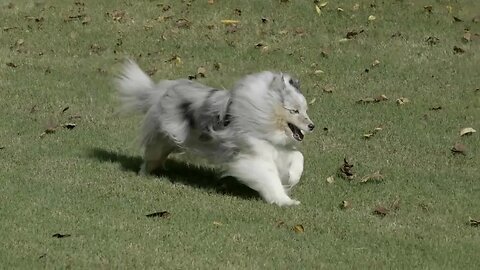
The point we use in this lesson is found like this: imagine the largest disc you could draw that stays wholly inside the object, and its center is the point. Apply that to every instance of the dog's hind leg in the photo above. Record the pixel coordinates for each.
(155, 155)
(260, 174)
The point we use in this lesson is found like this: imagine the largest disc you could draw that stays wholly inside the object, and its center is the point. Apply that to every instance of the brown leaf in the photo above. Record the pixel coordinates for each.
(428, 8)
(467, 131)
(436, 108)
(476, 19)
(162, 214)
(298, 228)
(381, 211)
(459, 148)
(375, 63)
(330, 179)
(60, 235)
(402, 101)
(373, 100)
(265, 20)
(474, 222)
(345, 205)
(69, 125)
(183, 23)
(328, 88)
(118, 15)
(217, 223)
(456, 19)
(458, 50)
(432, 40)
(201, 71)
(376, 176)
(346, 170)
(352, 34)
(49, 130)
(11, 64)
(217, 66)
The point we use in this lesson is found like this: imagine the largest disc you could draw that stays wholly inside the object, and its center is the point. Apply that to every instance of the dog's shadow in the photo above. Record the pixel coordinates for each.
(181, 172)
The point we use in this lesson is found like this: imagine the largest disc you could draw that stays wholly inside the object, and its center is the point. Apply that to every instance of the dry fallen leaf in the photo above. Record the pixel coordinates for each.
(61, 235)
(372, 133)
(318, 72)
(201, 71)
(373, 100)
(376, 176)
(328, 88)
(183, 23)
(211, 2)
(457, 19)
(432, 40)
(12, 65)
(330, 179)
(49, 130)
(381, 211)
(162, 214)
(459, 148)
(317, 8)
(375, 63)
(467, 37)
(474, 222)
(69, 125)
(458, 50)
(345, 205)
(175, 59)
(467, 131)
(217, 223)
(298, 228)
(356, 7)
(372, 18)
(339, 9)
(229, 22)
(402, 100)
(435, 108)
(312, 101)
(352, 34)
(346, 170)
(428, 8)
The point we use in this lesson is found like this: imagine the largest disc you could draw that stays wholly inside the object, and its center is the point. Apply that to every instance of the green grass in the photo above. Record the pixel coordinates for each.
(83, 181)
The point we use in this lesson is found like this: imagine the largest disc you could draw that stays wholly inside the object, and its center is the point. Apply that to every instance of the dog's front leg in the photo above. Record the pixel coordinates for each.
(260, 174)
(295, 169)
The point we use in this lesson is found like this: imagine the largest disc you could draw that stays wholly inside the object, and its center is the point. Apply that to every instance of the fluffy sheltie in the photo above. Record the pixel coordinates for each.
(252, 131)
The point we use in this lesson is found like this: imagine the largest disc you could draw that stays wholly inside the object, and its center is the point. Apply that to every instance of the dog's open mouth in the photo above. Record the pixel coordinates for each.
(297, 133)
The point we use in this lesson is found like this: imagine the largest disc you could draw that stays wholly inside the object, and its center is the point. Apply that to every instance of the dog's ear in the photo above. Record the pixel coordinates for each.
(278, 83)
(295, 83)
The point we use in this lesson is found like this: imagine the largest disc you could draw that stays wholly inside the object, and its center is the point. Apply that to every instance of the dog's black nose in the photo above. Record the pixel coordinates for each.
(311, 126)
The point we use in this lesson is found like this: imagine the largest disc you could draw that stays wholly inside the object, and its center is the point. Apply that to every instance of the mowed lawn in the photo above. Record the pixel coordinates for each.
(70, 196)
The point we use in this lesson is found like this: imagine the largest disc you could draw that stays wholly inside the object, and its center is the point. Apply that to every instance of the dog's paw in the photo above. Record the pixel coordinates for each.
(287, 202)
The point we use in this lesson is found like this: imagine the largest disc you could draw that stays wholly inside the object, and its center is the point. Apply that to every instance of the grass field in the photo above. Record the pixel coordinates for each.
(58, 59)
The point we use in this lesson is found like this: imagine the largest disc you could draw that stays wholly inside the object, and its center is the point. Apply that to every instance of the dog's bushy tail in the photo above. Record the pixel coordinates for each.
(135, 88)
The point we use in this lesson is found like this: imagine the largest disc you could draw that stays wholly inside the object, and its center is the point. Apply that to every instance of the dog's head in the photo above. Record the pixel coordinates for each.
(292, 114)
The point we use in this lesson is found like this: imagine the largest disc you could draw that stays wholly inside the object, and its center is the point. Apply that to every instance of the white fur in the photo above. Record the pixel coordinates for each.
(252, 130)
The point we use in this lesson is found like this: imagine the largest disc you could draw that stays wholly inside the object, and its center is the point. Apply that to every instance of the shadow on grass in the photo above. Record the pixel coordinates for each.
(181, 172)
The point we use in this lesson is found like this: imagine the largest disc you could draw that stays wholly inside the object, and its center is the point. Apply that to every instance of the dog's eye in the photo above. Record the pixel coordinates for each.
(290, 82)
(294, 111)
